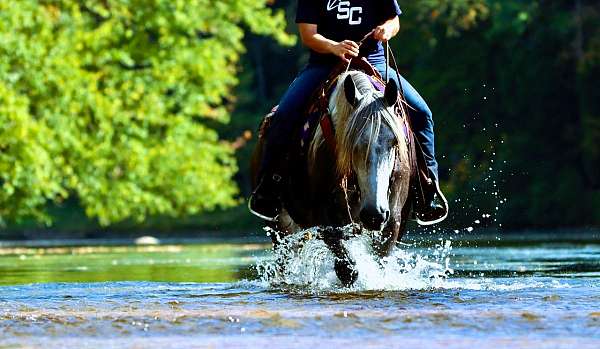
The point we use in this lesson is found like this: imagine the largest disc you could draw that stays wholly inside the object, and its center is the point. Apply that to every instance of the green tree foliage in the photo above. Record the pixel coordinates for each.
(112, 102)
(513, 86)
(453, 15)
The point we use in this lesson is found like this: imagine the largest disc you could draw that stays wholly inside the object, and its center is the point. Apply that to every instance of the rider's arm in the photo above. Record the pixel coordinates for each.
(387, 30)
(317, 42)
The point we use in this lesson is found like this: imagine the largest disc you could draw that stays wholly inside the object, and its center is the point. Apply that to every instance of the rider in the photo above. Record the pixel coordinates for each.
(331, 28)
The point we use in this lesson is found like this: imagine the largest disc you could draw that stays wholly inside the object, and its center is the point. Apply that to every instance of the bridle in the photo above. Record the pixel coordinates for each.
(402, 111)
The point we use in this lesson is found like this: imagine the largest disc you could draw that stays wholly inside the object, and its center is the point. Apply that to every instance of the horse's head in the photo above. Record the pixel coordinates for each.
(368, 139)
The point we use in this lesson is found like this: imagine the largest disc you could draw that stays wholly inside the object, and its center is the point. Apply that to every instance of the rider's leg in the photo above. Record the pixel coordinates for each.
(422, 123)
(289, 114)
(265, 201)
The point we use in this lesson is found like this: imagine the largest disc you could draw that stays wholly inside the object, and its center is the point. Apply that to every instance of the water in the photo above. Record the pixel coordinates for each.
(525, 293)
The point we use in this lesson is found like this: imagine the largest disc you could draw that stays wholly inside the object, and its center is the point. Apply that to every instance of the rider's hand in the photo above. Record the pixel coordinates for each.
(383, 33)
(346, 50)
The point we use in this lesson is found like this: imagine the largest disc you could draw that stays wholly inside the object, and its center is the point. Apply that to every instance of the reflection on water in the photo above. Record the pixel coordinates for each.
(192, 263)
(457, 295)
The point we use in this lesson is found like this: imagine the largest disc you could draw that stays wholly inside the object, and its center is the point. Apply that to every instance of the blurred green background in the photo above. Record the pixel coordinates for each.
(127, 116)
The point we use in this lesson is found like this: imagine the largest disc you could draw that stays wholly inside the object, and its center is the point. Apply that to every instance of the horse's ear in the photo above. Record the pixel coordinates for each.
(391, 93)
(350, 91)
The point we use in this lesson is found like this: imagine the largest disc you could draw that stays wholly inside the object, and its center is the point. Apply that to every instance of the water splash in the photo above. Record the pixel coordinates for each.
(303, 260)
(304, 264)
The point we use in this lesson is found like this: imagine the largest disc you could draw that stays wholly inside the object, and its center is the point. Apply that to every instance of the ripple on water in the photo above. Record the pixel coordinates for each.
(417, 297)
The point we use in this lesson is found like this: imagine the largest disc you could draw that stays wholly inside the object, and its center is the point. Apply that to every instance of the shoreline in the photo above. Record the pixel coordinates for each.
(487, 236)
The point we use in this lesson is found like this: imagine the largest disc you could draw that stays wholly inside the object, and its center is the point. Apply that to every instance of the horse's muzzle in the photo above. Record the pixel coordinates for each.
(373, 218)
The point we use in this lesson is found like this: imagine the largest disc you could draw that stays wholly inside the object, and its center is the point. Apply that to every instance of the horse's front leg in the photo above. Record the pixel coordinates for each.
(384, 241)
(344, 265)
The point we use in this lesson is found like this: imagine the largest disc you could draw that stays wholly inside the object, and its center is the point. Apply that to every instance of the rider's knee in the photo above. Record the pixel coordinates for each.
(425, 112)
(422, 117)
(428, 113)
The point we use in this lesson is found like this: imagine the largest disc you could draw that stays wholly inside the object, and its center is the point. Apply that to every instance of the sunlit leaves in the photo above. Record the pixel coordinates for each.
(107, 101)
(455, 15)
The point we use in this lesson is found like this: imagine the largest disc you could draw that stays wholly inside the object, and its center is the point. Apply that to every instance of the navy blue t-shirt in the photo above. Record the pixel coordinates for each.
(340, 20)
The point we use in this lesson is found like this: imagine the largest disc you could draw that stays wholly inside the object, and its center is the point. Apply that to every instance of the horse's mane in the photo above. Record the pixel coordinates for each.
(351, 123)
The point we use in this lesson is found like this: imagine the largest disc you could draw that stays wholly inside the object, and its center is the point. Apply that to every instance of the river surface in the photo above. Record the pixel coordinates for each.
(432, 293)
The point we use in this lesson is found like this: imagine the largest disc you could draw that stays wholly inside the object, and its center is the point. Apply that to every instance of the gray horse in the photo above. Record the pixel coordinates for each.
(365, 180)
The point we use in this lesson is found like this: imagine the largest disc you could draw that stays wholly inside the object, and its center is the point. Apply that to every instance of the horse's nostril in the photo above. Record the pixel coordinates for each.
(364, 216)
(373, 219)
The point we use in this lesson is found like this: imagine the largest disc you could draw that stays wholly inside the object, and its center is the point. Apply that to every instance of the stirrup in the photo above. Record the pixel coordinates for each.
(259, 215)
(277, 178)
(444, 204)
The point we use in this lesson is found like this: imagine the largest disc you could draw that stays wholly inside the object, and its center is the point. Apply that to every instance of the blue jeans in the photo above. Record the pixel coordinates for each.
(289, 115)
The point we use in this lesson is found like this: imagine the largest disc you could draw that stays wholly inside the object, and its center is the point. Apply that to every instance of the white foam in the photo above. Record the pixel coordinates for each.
(307, 264)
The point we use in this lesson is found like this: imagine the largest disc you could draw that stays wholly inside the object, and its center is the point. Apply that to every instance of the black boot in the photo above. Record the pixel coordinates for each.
(265, 202)
(434, 209)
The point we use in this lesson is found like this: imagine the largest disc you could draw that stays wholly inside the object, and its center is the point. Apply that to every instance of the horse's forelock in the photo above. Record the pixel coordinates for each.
(351, 123)
(370, 114)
